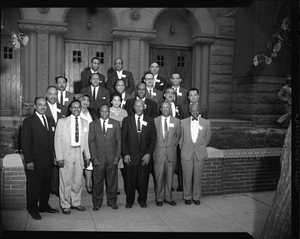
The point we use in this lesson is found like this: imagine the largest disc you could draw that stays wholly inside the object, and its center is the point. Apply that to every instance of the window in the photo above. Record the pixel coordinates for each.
(180, 61)
(7, 52)
(160, 60)
(100, 55)
(77, 56)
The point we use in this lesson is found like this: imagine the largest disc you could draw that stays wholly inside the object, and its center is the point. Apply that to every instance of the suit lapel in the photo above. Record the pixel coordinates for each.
(69, 128)
(39, 122)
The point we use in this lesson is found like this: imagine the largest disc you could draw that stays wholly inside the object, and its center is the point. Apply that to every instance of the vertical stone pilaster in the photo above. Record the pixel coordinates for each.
(32, 67)
(142, 57)
(124, 53)
(43, 62)
(197, 67)
(204, 83)
(134, 58)
(60, 55)
(52, 60)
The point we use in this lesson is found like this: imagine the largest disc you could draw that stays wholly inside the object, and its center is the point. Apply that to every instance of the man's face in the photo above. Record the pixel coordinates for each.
(154, 68)
(175, 79)
(75, 108)
(193, 96)
(120, 86)
(104, 112)
(149, 80)
(52, 95)
(61, 84)
(95, 64)
(165, 109)
(195, 110)
(169, 95)
(118, 64)
(95, 80)
(141, 91)
(139, 107)
(41, 106)
(288, 82)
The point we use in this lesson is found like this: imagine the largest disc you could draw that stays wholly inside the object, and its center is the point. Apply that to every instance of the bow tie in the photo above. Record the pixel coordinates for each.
(194, 118)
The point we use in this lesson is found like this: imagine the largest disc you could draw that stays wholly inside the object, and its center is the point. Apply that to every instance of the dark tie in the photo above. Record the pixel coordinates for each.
(151, 94)
(45, 124)
(139, 129)
(61, 98)
(76, 130)
(94, 94)
(194, 118)
(103, 128)
(166, 130)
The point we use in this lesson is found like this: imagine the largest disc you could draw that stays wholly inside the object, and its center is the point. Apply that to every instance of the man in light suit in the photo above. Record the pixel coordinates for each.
(160, 82)
(195, 137)
(120, 87)
(181, 93)
(99, 95)
(55, 111)
(71, 149)
(64, 96)
(86, 74)
(168, 132)
(120, 73)
(105, 149)
(37, 140)
(138, 142)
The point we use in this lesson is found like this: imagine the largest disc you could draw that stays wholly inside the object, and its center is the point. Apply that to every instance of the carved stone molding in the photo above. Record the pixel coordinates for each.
(120, 34)
(135, 14)
(202, 40)
(43, 28)
(43, 10)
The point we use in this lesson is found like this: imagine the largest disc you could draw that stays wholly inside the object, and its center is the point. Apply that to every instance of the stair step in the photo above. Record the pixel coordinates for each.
(230, 123)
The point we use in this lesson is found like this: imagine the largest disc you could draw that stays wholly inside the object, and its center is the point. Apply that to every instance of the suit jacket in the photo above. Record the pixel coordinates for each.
(181, 97)
(200, 147)
(285, 94)
(103, 97)
(203, 111)
(68, 99)
(130, 142)
(62, 139)
(151, 108)
(113, 77)
(38, 143)
(161, 83)
(106, 147)
(124, 101)
(166, 150)
(178, 111)
(85, 76)
(62, 111)
(158, 98)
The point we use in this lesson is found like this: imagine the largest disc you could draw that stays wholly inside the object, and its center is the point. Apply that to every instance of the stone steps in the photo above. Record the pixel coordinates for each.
(230, 123)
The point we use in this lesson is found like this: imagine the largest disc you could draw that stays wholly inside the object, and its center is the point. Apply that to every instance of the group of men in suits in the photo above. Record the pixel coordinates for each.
(151, 141)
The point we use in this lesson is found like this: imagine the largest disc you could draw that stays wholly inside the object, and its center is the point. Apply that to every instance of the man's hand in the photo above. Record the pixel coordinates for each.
(30, 166)
(146, 159)
(60, 163)
(127, 159)
(116, 161)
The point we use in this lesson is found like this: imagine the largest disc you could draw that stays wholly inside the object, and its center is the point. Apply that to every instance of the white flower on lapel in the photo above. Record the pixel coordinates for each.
(200, 127)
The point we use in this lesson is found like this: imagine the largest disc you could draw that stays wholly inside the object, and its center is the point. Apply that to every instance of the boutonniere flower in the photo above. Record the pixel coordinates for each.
(176, 109)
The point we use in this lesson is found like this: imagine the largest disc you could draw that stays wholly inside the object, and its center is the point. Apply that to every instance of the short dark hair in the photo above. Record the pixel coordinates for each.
(119, 59)
(119, 80)
(74, 101)
(102, 106)
(192, 89)
(95, 57)
(39, 97)
(56, 79)
(143, 79)
(95, 73)
(176, 73)
(115, 94)
(51, 86)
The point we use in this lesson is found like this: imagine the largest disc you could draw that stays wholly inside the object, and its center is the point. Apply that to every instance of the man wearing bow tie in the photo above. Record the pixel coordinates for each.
(196, 134)
(99, 95)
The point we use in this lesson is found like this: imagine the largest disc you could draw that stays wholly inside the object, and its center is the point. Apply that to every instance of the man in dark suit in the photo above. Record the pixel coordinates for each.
(105, 149)
(193, 97)
(55, 111)
(150, 106)
(86, 75)
(138, 142)
(37, 140)
(181, 93)
(160, 82)
(168, 132)
(120, 87)
(64, 96)
(120, 73)
(195, 137)
(98, 94)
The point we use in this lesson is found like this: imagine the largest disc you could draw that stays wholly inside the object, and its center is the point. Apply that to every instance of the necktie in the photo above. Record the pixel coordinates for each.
(103, 128)
(94, 93)
(139, 129)
(151, 93)
(76, 130)
(166, 130)
(61, 98)
(45, 124)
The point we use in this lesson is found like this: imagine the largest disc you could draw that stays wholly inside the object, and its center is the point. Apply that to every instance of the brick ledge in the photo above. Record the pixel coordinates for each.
(252, 153)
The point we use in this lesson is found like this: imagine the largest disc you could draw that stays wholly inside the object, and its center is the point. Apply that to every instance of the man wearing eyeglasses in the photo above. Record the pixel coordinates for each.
(181, 93)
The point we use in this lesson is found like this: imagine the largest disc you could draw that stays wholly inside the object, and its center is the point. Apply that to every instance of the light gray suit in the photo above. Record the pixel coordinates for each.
(70, 176)
(165, 156)
(193, 156)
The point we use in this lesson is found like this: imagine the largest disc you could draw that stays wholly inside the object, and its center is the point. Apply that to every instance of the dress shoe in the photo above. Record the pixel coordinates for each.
(159, 204)
(172, 189)
(79, 208)
(128, 205)
(188, 202)
(89, 190)
(113, 206)
(50, 210)
(66, 211)
(96, 208)
(118, 193)
(172, 203)
(36, 216)
(179, 189)
(197, 202)
(143, 204)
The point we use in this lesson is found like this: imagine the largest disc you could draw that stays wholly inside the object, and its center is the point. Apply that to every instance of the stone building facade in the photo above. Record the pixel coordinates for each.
(212, 48)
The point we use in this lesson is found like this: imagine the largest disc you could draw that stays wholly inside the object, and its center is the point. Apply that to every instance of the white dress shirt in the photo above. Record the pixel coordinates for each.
(41, 119)
(96, 91)
(120, 74)
(73, 143)
(106, 123)
(173, 109)
(53, 109)
(163, 124)
(194, 129)
(141, 120)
